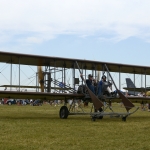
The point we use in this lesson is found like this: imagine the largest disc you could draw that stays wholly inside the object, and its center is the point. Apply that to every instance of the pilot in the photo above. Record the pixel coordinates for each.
(100, 86)
(90, 83)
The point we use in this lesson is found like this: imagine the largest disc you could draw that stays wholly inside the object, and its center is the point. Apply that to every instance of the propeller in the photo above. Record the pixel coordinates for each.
(41, 78)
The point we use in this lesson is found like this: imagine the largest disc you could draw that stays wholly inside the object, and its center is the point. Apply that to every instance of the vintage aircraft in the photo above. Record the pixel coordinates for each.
(133, 90)
(49, 84)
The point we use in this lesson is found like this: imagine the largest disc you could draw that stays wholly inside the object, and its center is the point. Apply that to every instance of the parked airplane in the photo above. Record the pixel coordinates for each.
(133, 90)
(130, 84)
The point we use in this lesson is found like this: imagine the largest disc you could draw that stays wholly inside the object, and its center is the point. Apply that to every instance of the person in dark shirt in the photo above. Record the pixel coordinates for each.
(90, 83)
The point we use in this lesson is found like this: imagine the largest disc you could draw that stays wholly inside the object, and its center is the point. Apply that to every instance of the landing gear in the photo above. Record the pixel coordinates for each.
(100, 110)
(123, 118)
(63, 113)
(93, 119)
(99, 117)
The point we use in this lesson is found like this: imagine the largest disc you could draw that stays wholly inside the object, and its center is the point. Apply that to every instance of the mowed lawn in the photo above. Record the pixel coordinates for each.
(40, 128)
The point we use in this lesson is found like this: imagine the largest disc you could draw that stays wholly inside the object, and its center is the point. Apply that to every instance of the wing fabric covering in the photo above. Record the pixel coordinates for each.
(127, 103)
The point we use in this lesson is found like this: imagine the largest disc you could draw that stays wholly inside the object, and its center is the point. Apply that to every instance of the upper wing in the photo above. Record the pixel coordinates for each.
(26, 59)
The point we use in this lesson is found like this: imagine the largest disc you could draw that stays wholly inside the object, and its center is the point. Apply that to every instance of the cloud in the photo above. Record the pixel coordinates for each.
(43, 20)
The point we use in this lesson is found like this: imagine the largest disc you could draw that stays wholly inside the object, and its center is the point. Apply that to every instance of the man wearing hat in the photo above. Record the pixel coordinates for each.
(90, 83)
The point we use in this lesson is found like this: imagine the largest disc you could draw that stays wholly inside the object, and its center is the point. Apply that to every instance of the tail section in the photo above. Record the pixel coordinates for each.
(130, 84)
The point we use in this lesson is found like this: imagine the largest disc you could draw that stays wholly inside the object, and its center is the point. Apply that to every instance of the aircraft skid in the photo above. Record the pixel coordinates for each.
(66, 111)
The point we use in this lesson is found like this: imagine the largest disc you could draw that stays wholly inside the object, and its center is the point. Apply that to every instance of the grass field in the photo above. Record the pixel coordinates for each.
(40, 128)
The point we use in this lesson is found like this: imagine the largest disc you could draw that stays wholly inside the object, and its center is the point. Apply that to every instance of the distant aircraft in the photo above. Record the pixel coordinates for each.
(130, 84)
(133, 90)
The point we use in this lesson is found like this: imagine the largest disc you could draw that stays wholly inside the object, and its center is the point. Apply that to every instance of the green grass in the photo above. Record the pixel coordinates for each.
(40, 128)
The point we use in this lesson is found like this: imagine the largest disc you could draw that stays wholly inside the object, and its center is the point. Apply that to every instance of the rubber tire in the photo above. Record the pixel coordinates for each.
(123, 118)
(63, 113)
(100, 117)
(93, 119)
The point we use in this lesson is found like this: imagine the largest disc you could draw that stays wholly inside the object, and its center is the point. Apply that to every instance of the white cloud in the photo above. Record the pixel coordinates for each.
(43, 20)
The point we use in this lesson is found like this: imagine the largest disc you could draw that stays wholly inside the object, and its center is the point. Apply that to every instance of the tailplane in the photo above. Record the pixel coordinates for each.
(130, 84)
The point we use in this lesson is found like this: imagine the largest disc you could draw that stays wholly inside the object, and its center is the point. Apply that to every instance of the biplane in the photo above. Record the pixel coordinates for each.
(49, 88)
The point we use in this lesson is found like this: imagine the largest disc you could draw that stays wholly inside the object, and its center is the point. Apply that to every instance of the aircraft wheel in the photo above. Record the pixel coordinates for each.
(93, 119)
(63, 113)
(123, 118)
(100, 117)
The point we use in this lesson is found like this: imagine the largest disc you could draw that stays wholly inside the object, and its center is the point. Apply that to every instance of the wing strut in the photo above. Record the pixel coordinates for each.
(127, 103)
(96, 102)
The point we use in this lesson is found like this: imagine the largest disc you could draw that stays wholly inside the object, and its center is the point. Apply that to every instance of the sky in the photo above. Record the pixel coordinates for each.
(111, 30)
